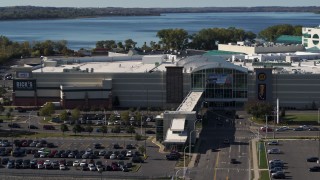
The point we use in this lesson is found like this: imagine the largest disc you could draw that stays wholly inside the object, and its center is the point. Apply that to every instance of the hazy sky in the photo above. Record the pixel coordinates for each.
(159, 3)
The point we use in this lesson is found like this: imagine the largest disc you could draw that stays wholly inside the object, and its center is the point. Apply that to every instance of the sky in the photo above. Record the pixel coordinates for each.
(158, 3)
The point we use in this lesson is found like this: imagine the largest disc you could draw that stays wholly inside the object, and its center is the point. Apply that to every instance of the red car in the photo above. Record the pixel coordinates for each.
(264, 129)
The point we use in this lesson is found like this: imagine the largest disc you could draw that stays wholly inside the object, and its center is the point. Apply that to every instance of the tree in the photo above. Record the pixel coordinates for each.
(77, 129)
(75, 114)
(173, 38)
(273, 32)
(138, 137)
(64, 116)
(258, 109)
(47, 109)
(89, 129)
(125, 117)
(129, 43)
(142, 149)
(104, 129)
(116, 129)
(64, 128)
(130, 129)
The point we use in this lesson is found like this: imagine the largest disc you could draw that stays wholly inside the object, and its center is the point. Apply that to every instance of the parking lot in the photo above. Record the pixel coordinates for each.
(155, 165)
(294, 154)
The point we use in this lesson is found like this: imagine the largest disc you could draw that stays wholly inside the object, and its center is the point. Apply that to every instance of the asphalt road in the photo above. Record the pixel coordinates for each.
(216, 154)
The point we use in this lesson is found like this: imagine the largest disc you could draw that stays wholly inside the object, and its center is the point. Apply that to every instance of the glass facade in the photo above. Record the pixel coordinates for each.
(223, 87)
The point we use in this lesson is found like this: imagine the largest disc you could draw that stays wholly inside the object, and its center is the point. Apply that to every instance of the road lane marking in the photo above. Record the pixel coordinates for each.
(215, 167)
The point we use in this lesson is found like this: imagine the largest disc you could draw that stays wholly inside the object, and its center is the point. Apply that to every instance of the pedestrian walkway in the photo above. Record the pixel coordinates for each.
(161, 146)
(255, 165)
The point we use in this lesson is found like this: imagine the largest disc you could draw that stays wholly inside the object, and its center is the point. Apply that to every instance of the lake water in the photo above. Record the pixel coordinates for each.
(83, 33)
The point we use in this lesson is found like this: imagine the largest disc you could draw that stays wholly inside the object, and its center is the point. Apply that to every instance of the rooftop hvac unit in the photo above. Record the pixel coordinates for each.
(87, 69)
(92, 70)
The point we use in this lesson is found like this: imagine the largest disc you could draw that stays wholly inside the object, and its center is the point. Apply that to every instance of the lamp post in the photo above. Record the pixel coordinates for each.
(141, 124)
(266, 127)
(184, 162)
(194, 129)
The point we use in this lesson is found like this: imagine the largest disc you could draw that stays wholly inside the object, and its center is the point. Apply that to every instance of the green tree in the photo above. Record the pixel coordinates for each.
(64, 116)
(142, 149)
(104, 129)
(258, 109)
(8, 114)
(47, 109)
(116, 129)
(77, 129)
(130, 129)
(75, 114)
(125, 117)
(271, 33)
(64, 128)
(173, 38)
(129, 43)
(89, 129)
(138, 137)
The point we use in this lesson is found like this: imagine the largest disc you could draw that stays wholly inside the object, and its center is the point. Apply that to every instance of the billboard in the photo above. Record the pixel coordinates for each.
(219, 79)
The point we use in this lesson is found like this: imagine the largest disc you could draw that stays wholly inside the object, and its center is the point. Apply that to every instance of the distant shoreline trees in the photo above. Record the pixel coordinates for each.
(169, 39)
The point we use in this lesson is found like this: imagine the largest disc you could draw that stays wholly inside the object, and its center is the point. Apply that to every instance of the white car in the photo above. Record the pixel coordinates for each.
(47, 162)
(92, 167)
(273, 143)
(62, 167)
(83, 163)
(113, 156)
(275, 160)
(76, 163)
(304, 127)
(110, 123)
(274, 151)
(129, 154)
(41, 150)
(99, 168)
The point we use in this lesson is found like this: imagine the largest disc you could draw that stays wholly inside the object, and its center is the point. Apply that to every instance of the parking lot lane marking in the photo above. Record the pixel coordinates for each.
(216, 166)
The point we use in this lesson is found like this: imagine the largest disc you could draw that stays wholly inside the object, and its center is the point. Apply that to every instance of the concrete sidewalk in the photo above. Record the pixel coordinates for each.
(255, 165)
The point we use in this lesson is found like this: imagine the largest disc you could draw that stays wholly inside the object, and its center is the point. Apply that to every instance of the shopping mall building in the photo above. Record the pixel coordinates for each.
(223, 80)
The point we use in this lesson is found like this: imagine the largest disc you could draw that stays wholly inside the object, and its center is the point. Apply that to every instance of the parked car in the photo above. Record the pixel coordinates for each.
(312, 159)
(274, 151)
(275, 160)
(14, 125)
(276, 169)
(234, 161)
(278, 175)
(48, 127)
(314, 169)
(273, 143)
(298, 129)
(313, 129)
(33, 127)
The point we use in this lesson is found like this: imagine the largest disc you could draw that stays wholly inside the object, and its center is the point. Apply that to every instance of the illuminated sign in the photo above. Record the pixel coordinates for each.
(24, 84)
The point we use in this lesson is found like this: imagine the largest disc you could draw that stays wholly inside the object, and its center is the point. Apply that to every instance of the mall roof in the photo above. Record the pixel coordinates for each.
(219, 52)
(288, 39)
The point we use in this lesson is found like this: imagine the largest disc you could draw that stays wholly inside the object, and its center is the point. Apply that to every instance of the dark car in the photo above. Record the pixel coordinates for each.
(312, 159)
(13, 125)
(314, 169)
(279, 175)
(150, 132)
(137, 159)
(172, 157)
(50, 145)
(313, 129)
(26, 163)
(298, 129)
(129, 146)
(33, 127)
(48, 127)
(97, 146)
(116, 146)
(234, 161)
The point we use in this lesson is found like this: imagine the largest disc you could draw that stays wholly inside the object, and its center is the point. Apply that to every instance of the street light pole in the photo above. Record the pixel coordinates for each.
(318, 139)
(266, 126)
(194, 129)
(184, 162)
